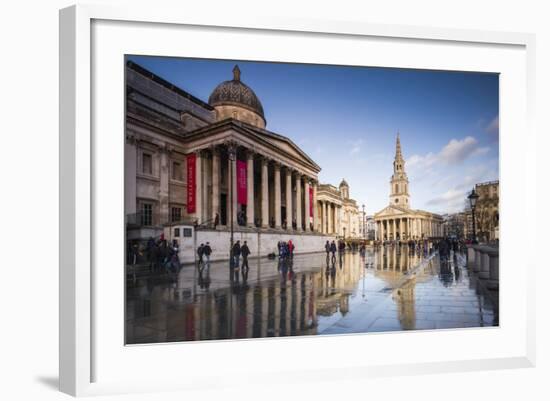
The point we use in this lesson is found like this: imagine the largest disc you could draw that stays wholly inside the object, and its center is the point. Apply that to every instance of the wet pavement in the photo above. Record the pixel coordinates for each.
(386, 290)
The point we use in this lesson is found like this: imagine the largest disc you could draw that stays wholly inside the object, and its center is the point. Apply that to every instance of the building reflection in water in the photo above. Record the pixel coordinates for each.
(269, 300)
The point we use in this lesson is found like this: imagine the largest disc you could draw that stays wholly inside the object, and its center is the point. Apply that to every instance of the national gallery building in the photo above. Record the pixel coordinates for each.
(213, 164)
(398, 221)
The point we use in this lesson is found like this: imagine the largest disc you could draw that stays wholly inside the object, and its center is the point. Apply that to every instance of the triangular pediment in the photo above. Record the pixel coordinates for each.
(391, 211)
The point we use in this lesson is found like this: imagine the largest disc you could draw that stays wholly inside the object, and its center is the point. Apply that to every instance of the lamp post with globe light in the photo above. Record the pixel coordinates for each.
(473, 197)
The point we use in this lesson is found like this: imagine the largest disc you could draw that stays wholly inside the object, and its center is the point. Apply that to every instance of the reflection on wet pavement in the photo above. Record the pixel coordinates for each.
(386, 290)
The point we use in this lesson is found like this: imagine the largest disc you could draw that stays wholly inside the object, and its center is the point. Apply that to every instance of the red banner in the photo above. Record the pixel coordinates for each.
(191, 183)
(241, 182)
(310, 202)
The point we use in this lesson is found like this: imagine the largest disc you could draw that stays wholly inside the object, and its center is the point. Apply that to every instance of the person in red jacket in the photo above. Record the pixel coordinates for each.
(290, 248)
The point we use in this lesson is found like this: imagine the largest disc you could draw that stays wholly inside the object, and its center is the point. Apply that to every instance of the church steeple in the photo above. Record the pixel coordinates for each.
(399, 190)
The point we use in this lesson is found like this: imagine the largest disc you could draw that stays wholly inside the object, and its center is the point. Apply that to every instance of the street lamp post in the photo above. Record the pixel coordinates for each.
(232, 151)
(473, 200)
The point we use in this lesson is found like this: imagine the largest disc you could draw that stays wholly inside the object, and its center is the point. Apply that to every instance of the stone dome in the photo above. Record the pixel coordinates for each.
(344, 183)
(235, 93)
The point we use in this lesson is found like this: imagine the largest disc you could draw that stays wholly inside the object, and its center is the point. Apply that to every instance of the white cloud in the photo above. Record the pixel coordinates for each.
(456, 151)
(493, 126)
(453, 153)
(452, 196)
(355, 146)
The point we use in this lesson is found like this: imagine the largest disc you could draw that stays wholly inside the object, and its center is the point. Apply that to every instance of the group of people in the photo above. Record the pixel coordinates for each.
(446, 245)
(237, 251)
(162, 254)
(285, 249)
(204, 252)
(332, 247)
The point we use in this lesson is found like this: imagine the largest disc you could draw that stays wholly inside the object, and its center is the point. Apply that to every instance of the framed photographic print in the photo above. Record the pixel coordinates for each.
(264, 191)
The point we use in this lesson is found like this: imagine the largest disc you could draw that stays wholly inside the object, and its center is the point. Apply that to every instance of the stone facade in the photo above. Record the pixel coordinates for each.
(398, 221)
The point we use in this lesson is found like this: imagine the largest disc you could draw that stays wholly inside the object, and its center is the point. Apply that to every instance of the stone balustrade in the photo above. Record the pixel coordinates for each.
(483, 261)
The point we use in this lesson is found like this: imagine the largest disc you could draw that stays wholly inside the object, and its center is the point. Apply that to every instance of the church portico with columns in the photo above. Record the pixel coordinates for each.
(398, 221)
(213, 165)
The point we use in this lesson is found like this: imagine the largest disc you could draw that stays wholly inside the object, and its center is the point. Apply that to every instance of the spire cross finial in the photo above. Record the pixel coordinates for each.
(236, 73)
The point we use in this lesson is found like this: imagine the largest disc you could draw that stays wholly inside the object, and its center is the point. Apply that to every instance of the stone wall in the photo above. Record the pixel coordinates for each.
(260, 244)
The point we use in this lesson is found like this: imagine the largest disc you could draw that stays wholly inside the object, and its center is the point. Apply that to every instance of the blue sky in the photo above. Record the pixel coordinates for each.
(346, 119)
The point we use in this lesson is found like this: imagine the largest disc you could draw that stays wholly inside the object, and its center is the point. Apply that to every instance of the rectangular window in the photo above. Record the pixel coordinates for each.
(177, 232)
(176, 214)
(147, 164)
(187, 232)
(176, 171)
(146, 214)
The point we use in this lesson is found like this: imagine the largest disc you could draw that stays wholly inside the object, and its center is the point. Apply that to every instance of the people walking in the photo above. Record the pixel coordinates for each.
(327, 249)
(200, 253)
(207, 251)
(236, 254)
(245, 251)
(290, 248)
(333, 251)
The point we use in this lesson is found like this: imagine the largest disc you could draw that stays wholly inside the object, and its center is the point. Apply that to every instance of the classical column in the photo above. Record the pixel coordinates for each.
(330, 218)
(338, 213)
(315, 209)
(250, 189)
(215, 183)
(288, 199)
(277, 194)
(265, 195)
(306, 204)
(298, 201)
(233, 164)
(323, 217)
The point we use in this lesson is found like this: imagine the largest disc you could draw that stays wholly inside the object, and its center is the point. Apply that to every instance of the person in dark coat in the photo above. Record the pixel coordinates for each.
(200, 253)
(207, 251)
(236, 253)
(333, 250)
(327, 248)
(245, 251)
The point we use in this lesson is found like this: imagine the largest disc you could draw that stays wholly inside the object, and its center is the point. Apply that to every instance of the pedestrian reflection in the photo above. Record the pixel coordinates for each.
(204, 277)
(445, 272)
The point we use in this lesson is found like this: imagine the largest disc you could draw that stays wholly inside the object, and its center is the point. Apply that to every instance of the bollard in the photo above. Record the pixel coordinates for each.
(471, 255)
(484, 268)
(492, 283)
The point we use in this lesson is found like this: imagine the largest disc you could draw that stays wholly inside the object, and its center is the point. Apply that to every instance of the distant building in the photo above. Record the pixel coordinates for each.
(338, 214)
(370, 228)
(454, 225)
(487, 211)
(398, 221)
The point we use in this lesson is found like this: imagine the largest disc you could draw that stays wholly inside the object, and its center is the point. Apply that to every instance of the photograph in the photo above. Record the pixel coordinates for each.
(274, 199)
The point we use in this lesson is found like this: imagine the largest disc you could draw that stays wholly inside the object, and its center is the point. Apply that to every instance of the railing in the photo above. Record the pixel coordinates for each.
(483, 260)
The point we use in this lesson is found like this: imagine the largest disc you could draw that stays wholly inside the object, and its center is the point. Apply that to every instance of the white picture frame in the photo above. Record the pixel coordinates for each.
(87, 367)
